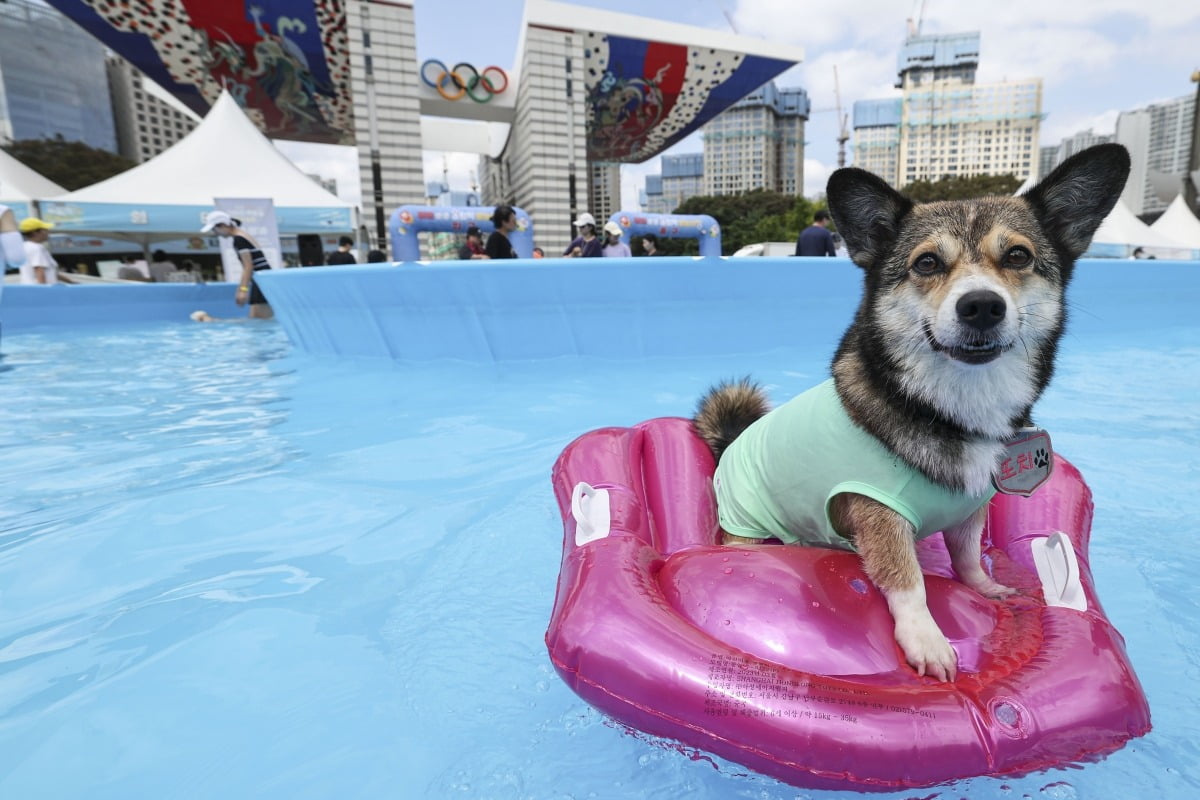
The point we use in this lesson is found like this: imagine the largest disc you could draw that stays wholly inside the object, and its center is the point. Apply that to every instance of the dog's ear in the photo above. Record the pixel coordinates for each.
(867, 212)
(1076, 197)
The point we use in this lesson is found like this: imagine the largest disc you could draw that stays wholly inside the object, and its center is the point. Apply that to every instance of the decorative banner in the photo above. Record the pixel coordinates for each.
(286, 63)
(256, 216)
(643, 97)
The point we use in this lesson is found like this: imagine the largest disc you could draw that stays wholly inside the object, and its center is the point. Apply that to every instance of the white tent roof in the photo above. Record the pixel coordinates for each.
(1178, 223)
(1121, 226)
(19, 182)
(225, 156)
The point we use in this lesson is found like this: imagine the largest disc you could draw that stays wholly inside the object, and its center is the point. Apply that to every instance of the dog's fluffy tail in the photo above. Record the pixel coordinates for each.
(727, 410)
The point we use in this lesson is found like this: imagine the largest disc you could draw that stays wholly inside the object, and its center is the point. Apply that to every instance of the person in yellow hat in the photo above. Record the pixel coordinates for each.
(40, 268)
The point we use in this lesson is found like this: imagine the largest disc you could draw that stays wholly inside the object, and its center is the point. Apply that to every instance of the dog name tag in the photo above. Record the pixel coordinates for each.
(1027, 463)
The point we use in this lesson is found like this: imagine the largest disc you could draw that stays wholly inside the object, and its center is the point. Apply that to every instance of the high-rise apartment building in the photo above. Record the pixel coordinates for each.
(682, 177)
(654, 202)
(758, 143)
(52, 79)
(945, 124)
(1053, 155)
(148, 119)
(604, 195)
(1047, 160)
(1159, 138)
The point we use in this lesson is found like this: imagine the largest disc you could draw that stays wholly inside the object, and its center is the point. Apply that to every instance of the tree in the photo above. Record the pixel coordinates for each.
(754, 216)
(71, 165)
(963, 187)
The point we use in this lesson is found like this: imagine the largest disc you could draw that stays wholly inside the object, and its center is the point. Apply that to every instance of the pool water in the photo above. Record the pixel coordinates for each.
(231, 570)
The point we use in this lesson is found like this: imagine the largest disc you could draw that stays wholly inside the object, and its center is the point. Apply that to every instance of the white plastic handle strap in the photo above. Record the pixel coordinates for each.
(590, 508)
(1058, 569)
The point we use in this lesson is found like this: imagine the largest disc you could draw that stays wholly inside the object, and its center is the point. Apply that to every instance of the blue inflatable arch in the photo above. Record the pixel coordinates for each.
(672, 226)
(408, 221)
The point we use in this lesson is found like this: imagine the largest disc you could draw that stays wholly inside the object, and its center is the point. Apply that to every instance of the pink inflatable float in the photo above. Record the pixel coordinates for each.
(782, 658)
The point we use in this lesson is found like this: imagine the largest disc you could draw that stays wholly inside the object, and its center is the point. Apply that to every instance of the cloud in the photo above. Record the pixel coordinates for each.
(816, 175)
(814, 24)
(329, 161)
(1057, 127)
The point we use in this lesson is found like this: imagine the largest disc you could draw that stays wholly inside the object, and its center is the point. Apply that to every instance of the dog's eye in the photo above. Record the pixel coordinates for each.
(1018, 257)
(927, 264)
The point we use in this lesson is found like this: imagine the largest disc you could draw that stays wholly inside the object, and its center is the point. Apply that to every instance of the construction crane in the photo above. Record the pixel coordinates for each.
(843, 132)
(843, 119)
(914, 25)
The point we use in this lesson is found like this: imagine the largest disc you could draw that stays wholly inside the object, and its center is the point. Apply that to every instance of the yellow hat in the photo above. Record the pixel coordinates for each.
(31, 224)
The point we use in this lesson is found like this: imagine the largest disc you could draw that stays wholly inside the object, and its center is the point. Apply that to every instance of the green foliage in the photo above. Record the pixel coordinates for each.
(755, 216)
(962, 187)
(71, 165)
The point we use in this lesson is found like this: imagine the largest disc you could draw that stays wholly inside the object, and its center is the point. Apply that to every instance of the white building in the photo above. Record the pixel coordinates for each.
(148, 119)
(943, 123)
(1159, 138)
(758, 143)
(382, 40)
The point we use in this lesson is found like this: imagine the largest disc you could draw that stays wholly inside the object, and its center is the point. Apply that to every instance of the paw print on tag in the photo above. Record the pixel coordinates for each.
(1041, 458)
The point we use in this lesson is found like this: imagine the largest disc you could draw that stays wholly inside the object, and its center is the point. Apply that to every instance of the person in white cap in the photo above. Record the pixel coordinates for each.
(39, 268)
(252, 259)
(613, 246)
(585, 245)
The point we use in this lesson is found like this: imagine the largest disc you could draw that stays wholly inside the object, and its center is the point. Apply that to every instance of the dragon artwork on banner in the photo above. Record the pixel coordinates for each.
(286, 63)
(643, 96)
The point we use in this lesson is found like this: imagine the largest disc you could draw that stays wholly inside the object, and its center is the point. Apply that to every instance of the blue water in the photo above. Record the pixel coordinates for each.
(229, 570)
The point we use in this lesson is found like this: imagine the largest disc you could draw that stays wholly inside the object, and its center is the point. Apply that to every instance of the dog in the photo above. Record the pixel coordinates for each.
(954, 340)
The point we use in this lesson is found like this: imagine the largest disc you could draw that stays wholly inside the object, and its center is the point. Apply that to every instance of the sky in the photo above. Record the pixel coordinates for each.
(1096, 58)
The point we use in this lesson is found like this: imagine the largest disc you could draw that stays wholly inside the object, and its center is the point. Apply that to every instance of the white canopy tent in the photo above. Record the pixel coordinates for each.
(20, 186)
(167, 197)
(1122, 232)
(1178, 223)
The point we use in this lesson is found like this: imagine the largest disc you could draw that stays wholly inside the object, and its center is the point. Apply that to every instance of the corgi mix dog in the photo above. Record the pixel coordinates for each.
(953, 342)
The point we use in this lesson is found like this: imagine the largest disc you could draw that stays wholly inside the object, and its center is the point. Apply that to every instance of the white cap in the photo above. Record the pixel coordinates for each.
(214, 218)
(613, 228)
(585, 219)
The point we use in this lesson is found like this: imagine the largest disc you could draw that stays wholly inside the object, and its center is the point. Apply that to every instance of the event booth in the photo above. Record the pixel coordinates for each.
(20, 186)
(166, 198)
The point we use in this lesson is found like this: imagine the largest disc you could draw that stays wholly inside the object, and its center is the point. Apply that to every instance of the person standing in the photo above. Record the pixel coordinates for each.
(816, 240)
(11, 241)
(344, 254)
(650, 244)
(585, 245)
(39, 268)
(473, 249)
(613, 246)
(504, 218)
(161, 267)
(252, 258)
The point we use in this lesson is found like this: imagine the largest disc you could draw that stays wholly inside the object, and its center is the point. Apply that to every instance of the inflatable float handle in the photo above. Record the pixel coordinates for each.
(1058, 569)
(590, 507)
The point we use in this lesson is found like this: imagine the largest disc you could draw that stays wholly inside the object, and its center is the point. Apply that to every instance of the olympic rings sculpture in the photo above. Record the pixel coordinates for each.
(452, 85)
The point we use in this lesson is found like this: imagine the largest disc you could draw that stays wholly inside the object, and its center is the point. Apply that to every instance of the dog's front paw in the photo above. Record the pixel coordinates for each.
(926, 649)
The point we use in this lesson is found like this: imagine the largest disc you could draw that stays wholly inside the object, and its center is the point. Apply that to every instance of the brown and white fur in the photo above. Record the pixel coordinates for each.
(954, 339)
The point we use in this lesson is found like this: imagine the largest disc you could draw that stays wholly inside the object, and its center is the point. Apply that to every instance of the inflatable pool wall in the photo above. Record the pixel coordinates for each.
(782, 658)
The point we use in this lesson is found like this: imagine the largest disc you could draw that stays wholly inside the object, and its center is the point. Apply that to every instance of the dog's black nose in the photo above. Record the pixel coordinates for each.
(982, 309)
